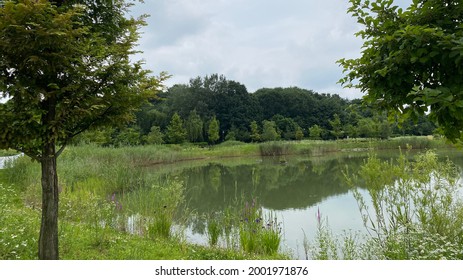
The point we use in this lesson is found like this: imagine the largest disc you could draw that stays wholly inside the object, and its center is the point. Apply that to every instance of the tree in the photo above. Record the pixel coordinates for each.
(213, 130)
(128, 136)
(366, 128)
(299, 134)
(315, 132)
(100, 136)
(411, 60)
(155, 136)
(176, 132)
(231, 134)
(255, 135)
(336, 126)
(269, 132)
(286, 127)
(194, 127)
(65, 68)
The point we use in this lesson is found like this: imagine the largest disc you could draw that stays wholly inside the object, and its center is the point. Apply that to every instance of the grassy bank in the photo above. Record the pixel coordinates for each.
(84, 237)
(161, 154)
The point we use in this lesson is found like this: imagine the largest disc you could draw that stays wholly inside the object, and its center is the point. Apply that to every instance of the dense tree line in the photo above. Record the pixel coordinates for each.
(213, 109)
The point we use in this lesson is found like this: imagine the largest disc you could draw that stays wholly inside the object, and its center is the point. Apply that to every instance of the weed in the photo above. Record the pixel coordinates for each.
(270, 235)
(258, 235)
(415, 210)
(214, 230)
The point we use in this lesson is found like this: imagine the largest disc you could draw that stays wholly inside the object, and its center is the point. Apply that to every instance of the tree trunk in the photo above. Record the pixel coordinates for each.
(48, 240)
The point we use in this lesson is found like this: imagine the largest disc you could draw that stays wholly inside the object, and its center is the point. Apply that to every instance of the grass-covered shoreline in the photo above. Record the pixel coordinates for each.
(88, 175)
(164, 154)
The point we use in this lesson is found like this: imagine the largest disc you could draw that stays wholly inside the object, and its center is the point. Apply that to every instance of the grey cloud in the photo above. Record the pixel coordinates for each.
(260, 43)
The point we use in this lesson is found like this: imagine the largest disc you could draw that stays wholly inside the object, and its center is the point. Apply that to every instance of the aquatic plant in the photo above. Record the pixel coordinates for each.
(325, 245)
(256, 234)
(270, 235)
(214, 230)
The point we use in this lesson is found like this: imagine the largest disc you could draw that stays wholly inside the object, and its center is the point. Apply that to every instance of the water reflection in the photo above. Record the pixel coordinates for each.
(4, 161)
(296, 184)
(293, 188)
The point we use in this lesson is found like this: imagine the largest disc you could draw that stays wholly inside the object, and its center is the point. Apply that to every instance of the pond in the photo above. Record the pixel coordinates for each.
(292, 189)
(5, 160)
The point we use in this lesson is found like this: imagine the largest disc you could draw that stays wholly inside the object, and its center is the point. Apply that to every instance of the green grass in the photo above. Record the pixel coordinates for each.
(84, 236)
(214, 231)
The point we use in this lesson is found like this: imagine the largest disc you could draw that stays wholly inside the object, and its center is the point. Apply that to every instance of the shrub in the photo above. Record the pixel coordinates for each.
(274, 149)
(415, 210)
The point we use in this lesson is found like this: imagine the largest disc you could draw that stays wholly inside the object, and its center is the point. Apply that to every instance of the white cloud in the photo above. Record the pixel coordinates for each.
(260, 43)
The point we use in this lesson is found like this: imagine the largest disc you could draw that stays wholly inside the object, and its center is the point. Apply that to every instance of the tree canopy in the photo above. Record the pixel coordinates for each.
(241, 114)
(63, 75)
(412, 60)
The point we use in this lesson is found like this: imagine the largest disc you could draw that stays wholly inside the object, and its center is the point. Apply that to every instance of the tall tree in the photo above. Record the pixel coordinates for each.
(65, 68)
(412, 60)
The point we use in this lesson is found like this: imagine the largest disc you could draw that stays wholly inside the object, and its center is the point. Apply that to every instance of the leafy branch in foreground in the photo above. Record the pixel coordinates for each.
(411, 61)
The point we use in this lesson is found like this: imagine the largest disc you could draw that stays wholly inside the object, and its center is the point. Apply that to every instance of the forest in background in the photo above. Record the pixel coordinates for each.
(213, 109)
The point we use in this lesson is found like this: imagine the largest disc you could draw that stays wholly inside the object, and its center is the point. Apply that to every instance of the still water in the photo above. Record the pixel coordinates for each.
(293, 189)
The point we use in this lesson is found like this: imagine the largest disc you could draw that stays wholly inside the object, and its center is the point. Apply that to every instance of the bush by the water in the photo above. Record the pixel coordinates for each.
(415, 211)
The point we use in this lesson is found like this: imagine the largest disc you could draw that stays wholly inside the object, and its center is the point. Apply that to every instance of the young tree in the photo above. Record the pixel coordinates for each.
(194, 127)
(128, 136)
(411, 60)
(176, 133)
(255, 135)
(101, 136)
(155, 136)
(231, 134)
(336, 126)
(298, 134)
(65, 68)
(366, 128)
(269, 132)
(315, 132)
(213, 130)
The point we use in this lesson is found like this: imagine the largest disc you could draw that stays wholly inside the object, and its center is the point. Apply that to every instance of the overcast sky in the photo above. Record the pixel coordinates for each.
(259, 43)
